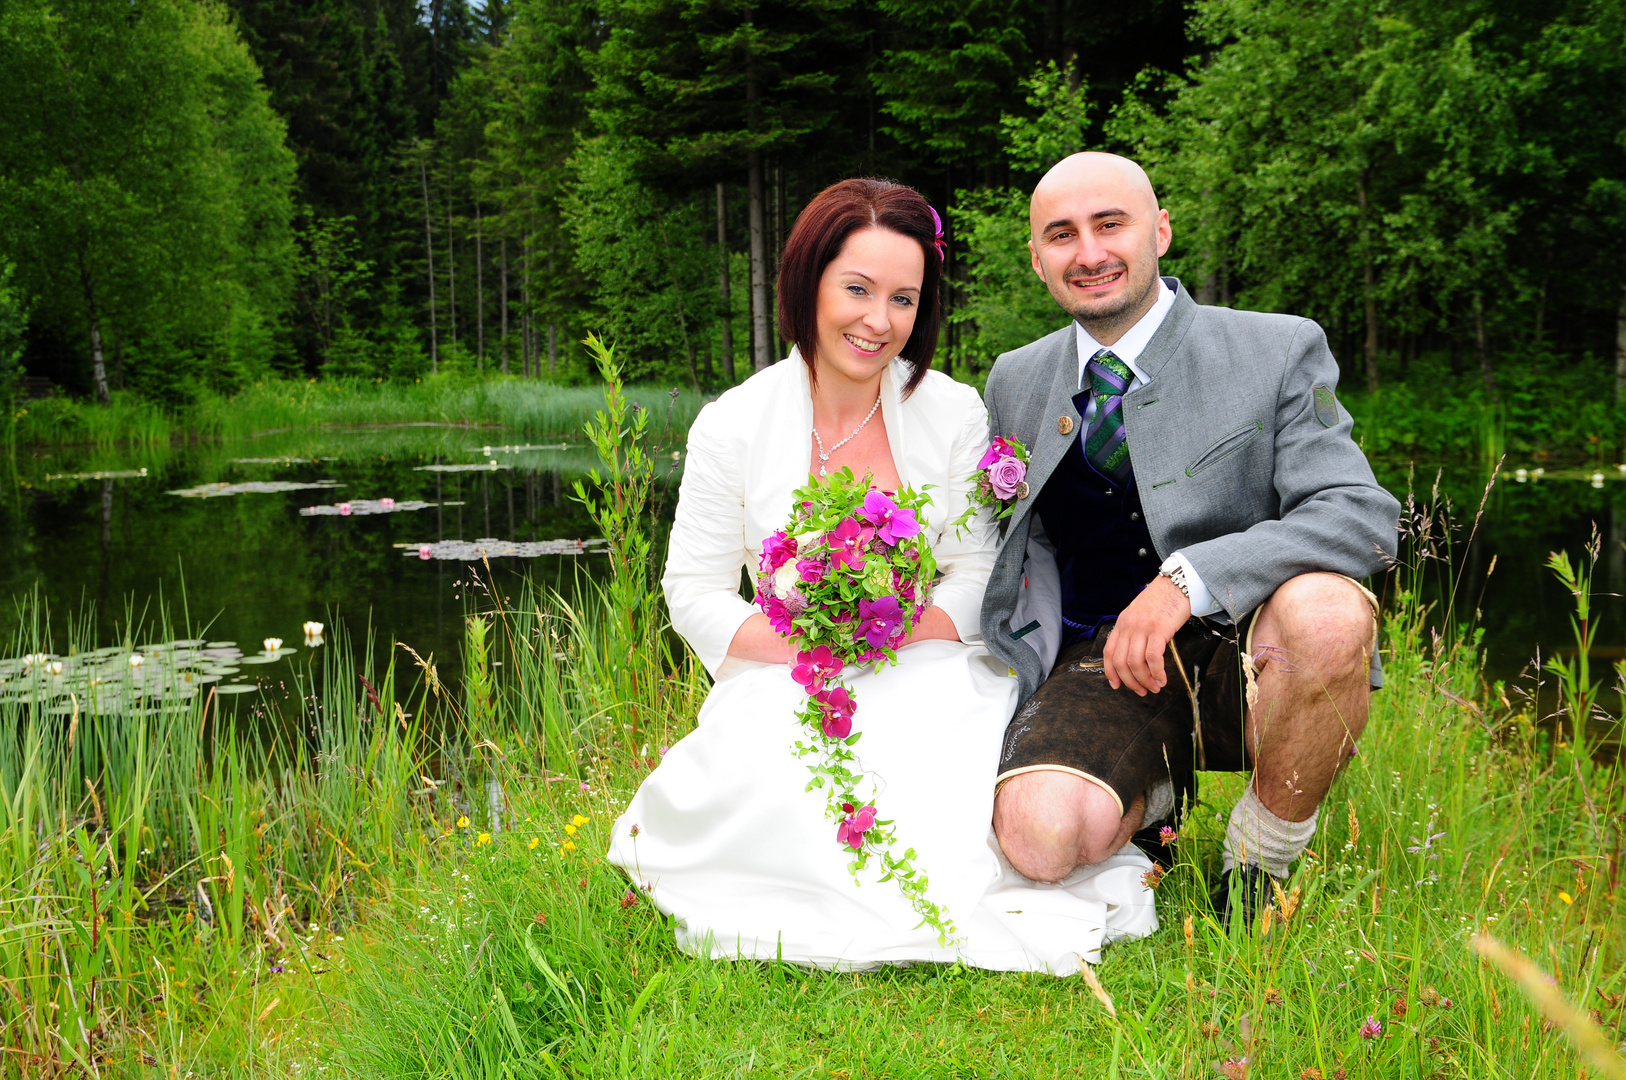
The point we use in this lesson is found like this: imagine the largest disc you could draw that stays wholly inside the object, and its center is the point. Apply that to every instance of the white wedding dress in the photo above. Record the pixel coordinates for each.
(724, 835)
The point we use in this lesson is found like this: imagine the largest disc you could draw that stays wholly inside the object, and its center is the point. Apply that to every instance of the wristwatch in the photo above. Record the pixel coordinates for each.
(1175, 570)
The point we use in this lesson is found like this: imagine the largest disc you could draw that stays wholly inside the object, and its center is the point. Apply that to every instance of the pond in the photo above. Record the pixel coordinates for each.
(246, 541)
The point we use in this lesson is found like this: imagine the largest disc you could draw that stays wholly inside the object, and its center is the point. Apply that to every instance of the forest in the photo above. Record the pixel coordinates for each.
(197, 196)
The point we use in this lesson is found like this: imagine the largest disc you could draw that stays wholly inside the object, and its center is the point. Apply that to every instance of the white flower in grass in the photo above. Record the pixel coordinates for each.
(272, 644)
(136, 660)
(313, 633)
(34, 660)
(54, 667)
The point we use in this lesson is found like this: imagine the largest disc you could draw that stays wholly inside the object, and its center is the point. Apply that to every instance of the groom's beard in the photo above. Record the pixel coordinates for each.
(1107, 315)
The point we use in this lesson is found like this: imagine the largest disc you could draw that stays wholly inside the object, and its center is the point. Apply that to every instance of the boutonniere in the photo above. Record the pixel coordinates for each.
(999, 480)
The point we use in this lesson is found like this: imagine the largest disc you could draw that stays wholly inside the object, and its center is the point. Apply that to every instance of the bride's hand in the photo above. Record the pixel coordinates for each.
(934, 623)
(757, 640)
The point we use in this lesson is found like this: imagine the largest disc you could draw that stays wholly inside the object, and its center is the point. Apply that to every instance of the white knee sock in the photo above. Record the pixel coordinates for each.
(1257, 836)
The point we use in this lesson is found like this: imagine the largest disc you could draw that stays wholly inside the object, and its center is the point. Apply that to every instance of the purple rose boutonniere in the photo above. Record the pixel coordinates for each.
(1000, 480)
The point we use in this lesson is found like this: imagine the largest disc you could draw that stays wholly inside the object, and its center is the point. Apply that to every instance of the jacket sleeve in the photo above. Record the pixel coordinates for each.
(964, 560)
(707, 549)
(1334, 515)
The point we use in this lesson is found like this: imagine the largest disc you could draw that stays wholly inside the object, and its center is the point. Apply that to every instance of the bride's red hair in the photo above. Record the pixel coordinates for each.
(817, 238)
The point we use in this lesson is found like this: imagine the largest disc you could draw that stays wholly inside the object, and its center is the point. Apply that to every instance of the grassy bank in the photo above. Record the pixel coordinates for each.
(397, 878)
(517, 405)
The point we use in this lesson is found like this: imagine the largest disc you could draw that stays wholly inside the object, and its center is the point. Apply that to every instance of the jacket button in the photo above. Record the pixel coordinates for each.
(1134, 515)
(1065, 425)
(1141, 553)
(1022, 489)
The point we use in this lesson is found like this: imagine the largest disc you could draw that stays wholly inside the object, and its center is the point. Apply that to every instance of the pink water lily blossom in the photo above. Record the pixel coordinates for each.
(852, 829)
(878, 620)
(847, 542)
(814, 667)
(892, 522)
(836, 709)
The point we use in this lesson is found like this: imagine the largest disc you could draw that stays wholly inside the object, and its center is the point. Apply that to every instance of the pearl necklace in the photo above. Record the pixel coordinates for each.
(824, 455)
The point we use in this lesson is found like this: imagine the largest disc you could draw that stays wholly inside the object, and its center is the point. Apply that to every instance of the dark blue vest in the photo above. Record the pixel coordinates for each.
(1103, 548)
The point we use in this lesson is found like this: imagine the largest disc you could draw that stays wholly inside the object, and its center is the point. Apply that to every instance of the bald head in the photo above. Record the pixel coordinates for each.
(1108, 178)
(1097, 233)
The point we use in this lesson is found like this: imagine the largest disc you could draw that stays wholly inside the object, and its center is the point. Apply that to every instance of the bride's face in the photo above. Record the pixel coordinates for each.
(868, 298)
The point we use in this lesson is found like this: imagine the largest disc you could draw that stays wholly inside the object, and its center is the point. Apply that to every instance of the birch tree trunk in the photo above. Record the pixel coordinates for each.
(98, 367)
(429, 248)
(722, 288)
(759, 259)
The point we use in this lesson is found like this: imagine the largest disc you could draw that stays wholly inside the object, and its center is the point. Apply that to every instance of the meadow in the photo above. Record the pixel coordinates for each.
(370, 872)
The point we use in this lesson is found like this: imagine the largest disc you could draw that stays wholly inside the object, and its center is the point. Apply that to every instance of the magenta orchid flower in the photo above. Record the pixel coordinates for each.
(778, 548)
(999, 448)
(836, 709)
(852, 829)
(813, 668)
(878, 619)
(847, 542)
(892, 522)
(778, 616)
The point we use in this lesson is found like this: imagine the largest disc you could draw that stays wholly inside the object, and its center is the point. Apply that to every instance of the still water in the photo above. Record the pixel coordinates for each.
(249, 541)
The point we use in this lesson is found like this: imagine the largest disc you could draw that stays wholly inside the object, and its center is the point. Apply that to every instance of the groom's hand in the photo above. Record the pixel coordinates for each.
(1134, 653)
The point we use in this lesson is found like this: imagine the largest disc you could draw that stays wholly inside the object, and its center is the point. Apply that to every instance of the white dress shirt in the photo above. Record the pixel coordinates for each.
(1128, 349)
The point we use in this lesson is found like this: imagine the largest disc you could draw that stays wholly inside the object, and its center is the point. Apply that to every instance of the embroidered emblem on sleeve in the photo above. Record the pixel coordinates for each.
(1326, 406)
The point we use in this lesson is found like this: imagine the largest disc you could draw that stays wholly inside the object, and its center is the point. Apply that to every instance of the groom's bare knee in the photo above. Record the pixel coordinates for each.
(1049, 823)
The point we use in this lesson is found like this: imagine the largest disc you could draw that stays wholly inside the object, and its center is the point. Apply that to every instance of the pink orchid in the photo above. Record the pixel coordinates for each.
(852, 829)
(813, 668)
(812, 570)
(999, 448)
(778, 616)
(878, 619)
(1167, 835)
(836, 712)
(892, 522)
(778, 548)
(847, 542)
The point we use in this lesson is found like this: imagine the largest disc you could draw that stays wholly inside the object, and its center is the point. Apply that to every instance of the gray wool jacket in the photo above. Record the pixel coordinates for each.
(1241, 451)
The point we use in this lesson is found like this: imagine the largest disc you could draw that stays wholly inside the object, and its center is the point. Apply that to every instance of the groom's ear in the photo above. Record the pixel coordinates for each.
(1033, 253)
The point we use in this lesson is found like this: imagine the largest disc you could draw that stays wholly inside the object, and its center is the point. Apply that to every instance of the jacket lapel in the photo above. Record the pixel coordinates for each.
(1051, 444)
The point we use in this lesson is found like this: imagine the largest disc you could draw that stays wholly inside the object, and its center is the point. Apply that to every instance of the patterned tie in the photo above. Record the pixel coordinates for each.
(1104, 442)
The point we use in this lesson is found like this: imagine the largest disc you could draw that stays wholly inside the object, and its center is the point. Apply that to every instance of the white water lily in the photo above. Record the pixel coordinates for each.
(272, 644)
(54, 667)
(36, 659)
(136, 659)
(313, 634)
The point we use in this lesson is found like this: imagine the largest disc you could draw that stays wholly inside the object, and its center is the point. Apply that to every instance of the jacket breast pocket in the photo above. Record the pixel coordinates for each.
(1224, 448)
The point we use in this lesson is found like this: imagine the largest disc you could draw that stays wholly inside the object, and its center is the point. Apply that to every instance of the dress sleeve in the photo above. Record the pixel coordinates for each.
(964, 559)
(707, 548)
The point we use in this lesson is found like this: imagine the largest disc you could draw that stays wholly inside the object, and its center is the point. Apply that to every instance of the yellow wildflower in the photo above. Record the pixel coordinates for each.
(1566, 897)
(570, 830)
(567, 846)
(535, 840)
(463, 822)
(484, 838)
(578, 820)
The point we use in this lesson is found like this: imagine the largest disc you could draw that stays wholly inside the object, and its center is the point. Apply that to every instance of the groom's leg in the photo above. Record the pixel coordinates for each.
(1050, 823)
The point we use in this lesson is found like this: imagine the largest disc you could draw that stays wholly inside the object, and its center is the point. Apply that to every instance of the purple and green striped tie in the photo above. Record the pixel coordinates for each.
(1104, 443)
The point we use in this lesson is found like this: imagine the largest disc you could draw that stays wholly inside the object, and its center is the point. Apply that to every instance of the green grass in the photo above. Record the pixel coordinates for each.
(523, 406)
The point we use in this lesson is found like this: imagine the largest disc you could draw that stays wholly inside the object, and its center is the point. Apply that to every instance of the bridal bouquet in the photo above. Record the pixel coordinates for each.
(848, 578)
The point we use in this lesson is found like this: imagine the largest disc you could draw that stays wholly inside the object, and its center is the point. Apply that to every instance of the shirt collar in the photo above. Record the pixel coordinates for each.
(1129, 347)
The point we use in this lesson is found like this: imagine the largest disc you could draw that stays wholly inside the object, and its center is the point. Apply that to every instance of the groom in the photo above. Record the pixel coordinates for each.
(1176, 585)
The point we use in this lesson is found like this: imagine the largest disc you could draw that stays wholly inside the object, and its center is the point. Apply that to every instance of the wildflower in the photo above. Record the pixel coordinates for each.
(852, 829)
(628, 898)
(1562, 895)
(567, 846)
(463, 822)
(892, 522)
(1232, 1068)
(1153, 877)
(664, 749)
(578, 820)
(570, 830)
(878, 620)
(813, 667)
(535, 840)
(540, 918)
(55, 668)
(847, 542)
(584, 786)
(136, 659)
(1428, 996)
(1167, 835)
(836, 708)
(1399, 1008)
(1188, 927)
(483, 839)
(1372, 1028)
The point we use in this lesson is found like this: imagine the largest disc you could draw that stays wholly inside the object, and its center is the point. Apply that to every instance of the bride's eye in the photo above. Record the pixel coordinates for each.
(903, 301)
(856, 290)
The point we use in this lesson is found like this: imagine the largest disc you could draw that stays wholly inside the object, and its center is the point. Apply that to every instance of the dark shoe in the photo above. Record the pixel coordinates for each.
(1249, 887)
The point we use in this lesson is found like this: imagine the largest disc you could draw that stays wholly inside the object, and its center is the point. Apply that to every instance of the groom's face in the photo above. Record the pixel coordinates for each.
(1097, 236)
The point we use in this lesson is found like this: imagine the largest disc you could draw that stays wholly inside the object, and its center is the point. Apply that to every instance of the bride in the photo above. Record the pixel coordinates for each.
(724, 835)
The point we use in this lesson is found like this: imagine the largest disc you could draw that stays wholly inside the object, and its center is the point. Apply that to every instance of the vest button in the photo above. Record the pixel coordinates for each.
(1134, 515)
(1141, 553)
(1065, 425)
